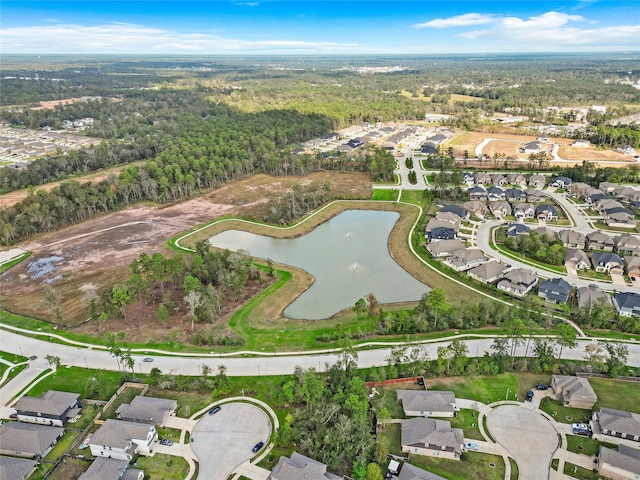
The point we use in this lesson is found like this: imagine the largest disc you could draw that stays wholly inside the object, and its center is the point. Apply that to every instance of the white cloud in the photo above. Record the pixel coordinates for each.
(466, 20)
(132, 38)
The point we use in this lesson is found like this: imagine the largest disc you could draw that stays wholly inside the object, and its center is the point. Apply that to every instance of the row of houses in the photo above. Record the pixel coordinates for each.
(511, 195)
(499, 180)
(616, 204)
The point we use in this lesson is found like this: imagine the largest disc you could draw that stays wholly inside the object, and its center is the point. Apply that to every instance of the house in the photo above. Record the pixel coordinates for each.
(632, 268)
(606, 204)
(576, 259)
(555, 290)
(608, 187)
(591, 295)
(147, 410)
(300, 467)
(440, 233)
(546, 212)
(627, 194)
(621, 464)
(477, 193)
(519, 281)
(607, 262)
(476, 208)
(51, 408)
(545, 231)
(534, 196)
(449, 217)
(466, 258)
(488, 273)
(627, 304)
(592, 199)
(444, 248)
(627, 244)
(600, 241)
(537, 181)
(581, 143)
(561, 182)
(626, 149)
(618, 423)
(410, 472)
(355, 143)
(27, 440)
(517, 179)
(498, 179)
(500, 208)
(121, 440)
(483, 178)
(427, 436)
(581, 189)
(111, 469)
(576, 391)
(531, 147)
(16, 468)
(515, 195)
(517, 229)
(456, 210)
(523, 210)
(468, 178)
(619, 218)
(495, 193)
(572, 239)
(427, 403)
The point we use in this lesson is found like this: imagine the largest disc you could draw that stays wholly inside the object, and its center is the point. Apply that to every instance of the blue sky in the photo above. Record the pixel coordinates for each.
(318, 27)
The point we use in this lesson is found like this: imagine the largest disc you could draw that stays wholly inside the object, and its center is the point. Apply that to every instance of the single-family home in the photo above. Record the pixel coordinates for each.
(51, 408)
(440, 233)
(516, 179)
(619, 218)
(500, 209)
(627, 244)
(572, 239)
(477, 193)
(535, 196)
(431, 437)
(147, 410)
(599, 241)
(16, 468)
(580, 189)
(121, 440)
(517, 229)
(483, 178)
(607, 262)
(620, 464)
(468, 178)
(626, 149)
(595, 197)
(519, 281)
(606, 204)
(575, 391)
(627, 304)
(498, 179)
(444, 248)
(561, 182)
(627, 194)
(537, 181)
(488, 272)
(591, 295)
(515, 195)
(608, 187)
(632, 268)
(456, 210)
(546, 212)
(618, 423)
(27, 440)
(555, 290)
(111, 469)
(495, 193)
(298, 466)
(523, 211)
(466, 258)
(581, 143)
(410, 472)
(427, 403)
(449, 217)
(546, 231)
(576, 259)
(476, 208)
(531, 147)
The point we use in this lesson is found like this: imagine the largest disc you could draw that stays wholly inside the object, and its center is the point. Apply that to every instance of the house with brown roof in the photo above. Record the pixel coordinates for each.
(300, 467)
(444, 248)
(476, 208)
(632, 268)
(580, 189)
(618, 423)
(572, 239)
(606, 203)
(621, 219)
(591, 295)
(537, 181)
(431, 437)
(488, 272)
(576, 259)
(621, 464)
(51, 408)
(608, 187)
(627, 244)
(427, 403)
(498, 179)
(500, 209)
(627, 194)
(111, 469)
(16, 468)
(121, 440)
(27, 440)
(542, 231)
(483, 178)
(410, 472)
(599, 241)
(518, 282)
(575, 391)
(517, 179)
(466, 258)
(150, 410)
(534, 196)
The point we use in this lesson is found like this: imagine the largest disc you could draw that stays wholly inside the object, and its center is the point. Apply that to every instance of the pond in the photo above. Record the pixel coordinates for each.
(347, 256)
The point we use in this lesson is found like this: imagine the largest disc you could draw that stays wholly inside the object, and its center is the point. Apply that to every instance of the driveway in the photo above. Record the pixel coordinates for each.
(528, 437)
(224, 440)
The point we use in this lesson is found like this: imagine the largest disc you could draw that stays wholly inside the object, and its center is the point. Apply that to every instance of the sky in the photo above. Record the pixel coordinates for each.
(269, 27)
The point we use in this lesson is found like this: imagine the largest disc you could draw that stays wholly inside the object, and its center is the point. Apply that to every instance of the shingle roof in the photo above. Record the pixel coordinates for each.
(146, 409)
(619, 421)
(299, 467)
(426, 400)
(488, 270)
(576, 255)
(51, 402)
(602, 258)
(556, 289)
(409, 472)
(456, 210)
(13, 468)
(591, 295)
(599, 237)
(28, 437)
(444, 246)
(431, 431)
(574, 387)
(546, 231)
(625, 458)
(627, 240)
(105, 469)
(522, 276)
(571, 237)
(118, 433)
(627, 300)
(467, 254)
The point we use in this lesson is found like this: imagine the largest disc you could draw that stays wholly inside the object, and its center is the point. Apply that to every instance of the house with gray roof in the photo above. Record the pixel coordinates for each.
(111, 469)
(427, 403)
(618, 423)
(488, 272)
(50, 408)
(600, 241)
(627, 304)
(607, 262)
(444, 248)
(147, 410)
(606, 203)
(576, 259)
(517, 229)
(411, 472)
(537, 180)
(518, 282)
(299, 467)
(627, 244)
(477, 193)
(555, 290)
(515, 195)
(561, 182)
(27, 440)
(621, 464)
(619, 218)
(535, 196)
(523, 210)
(495, 193)
(608, 187)
(572, 239)
(591, 295)
(531, 147)
(427, 436)
(456, 210)
(632, 268)
(546, 212)
(450, 217)
(576, 391)
(498, 179)
(466, 258)
(16, 468)
(121, 440)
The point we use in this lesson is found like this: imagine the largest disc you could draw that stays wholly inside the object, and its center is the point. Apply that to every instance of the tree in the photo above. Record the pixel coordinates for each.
(459, 358)
(380, 452)
(565, 336)
(51, 300)
(192, 299)
(516, 331)
(120, 298)
(163, 314)
(617, 361)
(501, 353)
(594, 356)
(374, 472)
(360, 308)
(545, 355)
(53, 360)
(384, 416)
(436, 301)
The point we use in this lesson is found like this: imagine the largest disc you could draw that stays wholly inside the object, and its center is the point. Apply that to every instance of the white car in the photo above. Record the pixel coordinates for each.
(471, 446)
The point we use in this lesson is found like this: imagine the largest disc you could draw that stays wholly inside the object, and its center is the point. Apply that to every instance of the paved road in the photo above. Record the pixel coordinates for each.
(224, 440)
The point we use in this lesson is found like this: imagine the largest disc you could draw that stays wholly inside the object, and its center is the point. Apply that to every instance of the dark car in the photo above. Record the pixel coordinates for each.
(166, 441)
(542, 387)
(215, 410)
(257, 448)
(529, 396)
(13, 416)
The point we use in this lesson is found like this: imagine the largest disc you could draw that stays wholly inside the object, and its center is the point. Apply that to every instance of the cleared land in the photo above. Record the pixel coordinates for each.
(592, 154)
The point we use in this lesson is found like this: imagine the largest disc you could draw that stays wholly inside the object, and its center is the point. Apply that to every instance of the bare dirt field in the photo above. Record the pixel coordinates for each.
(568, 152)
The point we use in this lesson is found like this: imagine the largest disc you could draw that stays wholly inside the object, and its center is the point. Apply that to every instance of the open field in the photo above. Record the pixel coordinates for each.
(592, 154)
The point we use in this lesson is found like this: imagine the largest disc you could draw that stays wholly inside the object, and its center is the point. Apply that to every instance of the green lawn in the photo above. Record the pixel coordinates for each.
(163, 467)
(41, 471)
(471, 466)
(89, 412)
(584, 445)
(616, 394)
(563, 414)
(384, 194)
(62, 446)
(390, 436)
(515, 473)
(75, 379)
(467, 420)
(125, 397)
(388, 398)
(579, 472)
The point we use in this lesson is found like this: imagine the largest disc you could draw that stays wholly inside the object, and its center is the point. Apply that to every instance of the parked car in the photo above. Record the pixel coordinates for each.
(215, 409)
(581, 429)
(13, 416)
(257, 447)
(166, 441)
(529, 396)
(148, 360)
(542, 387)
(472, 446)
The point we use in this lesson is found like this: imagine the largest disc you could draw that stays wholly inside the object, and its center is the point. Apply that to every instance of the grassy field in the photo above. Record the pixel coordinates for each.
(585, 445)
(163, 467)
(514, 469)
(390, 436)
(617, 394)
(384, 194)
(467, 420)
(62, 446)
(75, 379)
(579, 472)
(563, 414)
(470, 466)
